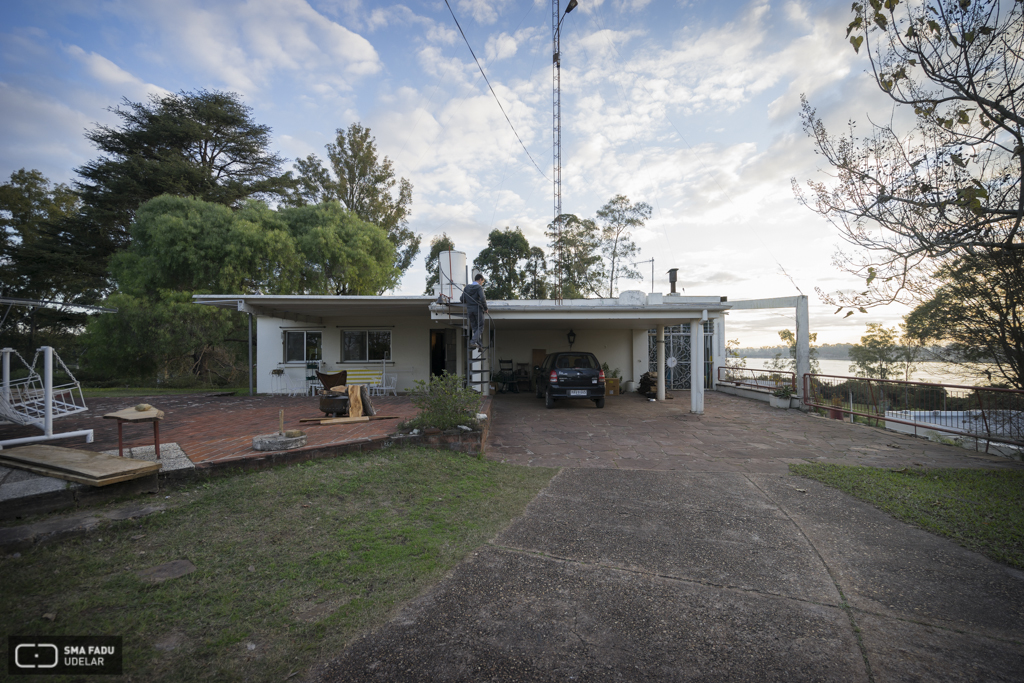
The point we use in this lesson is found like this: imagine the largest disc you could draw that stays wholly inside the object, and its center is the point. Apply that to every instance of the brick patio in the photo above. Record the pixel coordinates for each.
(217, 429)
(734, 435)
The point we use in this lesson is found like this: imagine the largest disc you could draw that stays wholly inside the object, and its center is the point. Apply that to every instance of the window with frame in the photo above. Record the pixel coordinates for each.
(301, 346)
(365, 345)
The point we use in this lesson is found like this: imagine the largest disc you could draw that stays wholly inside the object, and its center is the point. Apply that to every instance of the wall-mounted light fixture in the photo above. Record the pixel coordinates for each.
(572, 338)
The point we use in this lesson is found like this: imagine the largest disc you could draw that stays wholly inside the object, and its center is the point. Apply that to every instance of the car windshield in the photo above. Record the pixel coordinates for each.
(585, 361)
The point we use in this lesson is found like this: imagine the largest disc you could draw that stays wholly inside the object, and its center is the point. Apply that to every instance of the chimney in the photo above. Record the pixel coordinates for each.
(672, 281)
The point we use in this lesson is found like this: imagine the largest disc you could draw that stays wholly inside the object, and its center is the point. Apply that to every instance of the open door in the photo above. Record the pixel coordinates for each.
(451, 351)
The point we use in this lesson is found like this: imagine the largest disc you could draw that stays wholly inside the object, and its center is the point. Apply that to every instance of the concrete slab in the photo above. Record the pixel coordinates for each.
(172, 457)
(715, 528)
(899, 650)
(29, 486)
(895, 570)
(510, 616)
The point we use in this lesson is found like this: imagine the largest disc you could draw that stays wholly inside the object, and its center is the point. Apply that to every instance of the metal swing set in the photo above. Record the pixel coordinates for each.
(34, 400)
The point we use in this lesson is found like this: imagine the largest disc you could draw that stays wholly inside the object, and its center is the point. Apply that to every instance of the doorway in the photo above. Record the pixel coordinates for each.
(442, 351)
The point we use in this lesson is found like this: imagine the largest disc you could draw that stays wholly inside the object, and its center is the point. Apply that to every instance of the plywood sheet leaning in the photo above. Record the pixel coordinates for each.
(70, 464)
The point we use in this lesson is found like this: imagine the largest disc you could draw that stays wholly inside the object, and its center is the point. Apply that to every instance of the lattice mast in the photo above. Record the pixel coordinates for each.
(556, 104)
(556, 97)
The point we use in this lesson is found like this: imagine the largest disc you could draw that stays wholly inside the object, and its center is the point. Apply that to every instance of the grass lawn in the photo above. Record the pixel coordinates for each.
(980, 509)
(292, 562)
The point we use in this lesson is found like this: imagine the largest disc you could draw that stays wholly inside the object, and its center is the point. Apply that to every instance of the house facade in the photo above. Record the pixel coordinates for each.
(414, 337)
(411, 338)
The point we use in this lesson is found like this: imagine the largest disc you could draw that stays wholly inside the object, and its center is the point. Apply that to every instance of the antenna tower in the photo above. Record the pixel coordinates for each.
(557, 104)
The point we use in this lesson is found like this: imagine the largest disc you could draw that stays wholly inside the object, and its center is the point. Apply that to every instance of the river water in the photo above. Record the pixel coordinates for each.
(937, 373)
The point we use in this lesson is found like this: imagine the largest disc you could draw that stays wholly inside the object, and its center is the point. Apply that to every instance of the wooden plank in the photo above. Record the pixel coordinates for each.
(343, 420)
(360, 419)
(132, 415)
(87, 467)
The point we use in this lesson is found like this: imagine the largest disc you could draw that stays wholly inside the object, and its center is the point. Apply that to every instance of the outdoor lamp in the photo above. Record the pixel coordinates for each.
(572, 335)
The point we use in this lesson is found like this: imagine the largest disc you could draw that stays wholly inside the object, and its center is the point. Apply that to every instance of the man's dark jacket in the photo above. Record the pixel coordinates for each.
(473, 296)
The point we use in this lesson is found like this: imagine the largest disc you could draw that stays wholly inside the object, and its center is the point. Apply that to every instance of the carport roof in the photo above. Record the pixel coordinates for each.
(524, 314)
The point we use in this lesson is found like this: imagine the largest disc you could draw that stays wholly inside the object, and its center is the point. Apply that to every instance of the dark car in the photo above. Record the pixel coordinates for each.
(572, 374)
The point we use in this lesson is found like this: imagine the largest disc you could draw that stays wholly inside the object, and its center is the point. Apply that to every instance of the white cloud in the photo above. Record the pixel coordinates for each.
(110, 74)
(244, 44)
(501, 46)
(42, 133)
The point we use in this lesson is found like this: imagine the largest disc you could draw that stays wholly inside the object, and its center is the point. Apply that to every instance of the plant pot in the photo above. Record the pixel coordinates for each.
(779, 401)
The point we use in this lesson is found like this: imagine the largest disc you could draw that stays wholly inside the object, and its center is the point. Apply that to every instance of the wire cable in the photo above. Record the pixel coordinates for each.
(479, 66)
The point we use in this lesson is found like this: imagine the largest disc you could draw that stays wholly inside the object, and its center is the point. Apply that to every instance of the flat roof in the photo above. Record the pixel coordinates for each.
(626, 311)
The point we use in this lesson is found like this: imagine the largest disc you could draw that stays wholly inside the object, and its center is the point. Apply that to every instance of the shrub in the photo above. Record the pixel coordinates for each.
(445, 403)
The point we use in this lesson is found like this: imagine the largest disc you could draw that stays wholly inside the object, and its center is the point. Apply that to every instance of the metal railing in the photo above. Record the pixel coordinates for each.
(763, 380)
(979, 413)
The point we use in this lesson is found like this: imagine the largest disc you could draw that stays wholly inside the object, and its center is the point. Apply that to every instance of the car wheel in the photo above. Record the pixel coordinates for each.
(549, 400)
(599, 402)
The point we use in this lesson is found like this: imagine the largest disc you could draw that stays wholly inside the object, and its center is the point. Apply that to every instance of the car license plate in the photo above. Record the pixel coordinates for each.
(577, 392)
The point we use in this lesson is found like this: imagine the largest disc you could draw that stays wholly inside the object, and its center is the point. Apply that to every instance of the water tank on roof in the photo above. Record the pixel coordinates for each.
(451, 266)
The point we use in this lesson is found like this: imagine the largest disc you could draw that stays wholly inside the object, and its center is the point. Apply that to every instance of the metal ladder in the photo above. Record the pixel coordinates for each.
(478, 361)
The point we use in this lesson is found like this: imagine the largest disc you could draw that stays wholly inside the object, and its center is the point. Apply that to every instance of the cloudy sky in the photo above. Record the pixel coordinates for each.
(689, 105)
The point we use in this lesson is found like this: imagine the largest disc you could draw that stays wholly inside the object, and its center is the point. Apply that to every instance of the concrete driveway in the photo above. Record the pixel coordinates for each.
(733, 435)
(717, 567)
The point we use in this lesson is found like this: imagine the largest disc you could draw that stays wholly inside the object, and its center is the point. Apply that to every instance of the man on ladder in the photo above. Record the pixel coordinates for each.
(476, 306)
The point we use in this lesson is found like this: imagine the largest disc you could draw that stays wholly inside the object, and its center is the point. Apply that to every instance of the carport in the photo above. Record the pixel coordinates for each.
(627, 332)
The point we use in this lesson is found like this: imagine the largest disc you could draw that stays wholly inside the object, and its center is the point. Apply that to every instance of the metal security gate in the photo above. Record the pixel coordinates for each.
(677, 354)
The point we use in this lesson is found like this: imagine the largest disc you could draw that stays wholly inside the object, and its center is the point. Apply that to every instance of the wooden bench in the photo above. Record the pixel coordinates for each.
(368, 376)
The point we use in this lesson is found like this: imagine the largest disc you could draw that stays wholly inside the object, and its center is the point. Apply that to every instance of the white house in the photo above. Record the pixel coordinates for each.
(414, 337)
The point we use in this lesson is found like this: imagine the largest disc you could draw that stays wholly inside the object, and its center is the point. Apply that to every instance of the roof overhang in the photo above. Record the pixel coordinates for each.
(313, 309)
(518, 314)
(591, 313)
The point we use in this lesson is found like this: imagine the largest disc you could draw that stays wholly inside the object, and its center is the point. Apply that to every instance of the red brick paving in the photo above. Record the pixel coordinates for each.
(214, 429)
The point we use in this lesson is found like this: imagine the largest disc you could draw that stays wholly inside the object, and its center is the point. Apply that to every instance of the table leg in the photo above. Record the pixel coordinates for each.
(120, 448)
(156, 437)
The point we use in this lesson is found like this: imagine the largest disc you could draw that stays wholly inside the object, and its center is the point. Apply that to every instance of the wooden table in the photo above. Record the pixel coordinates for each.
(133, 416)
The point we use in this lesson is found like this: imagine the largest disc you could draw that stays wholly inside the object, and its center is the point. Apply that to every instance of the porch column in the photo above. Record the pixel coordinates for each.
(803, 347)
(697, 366)
(661, 362)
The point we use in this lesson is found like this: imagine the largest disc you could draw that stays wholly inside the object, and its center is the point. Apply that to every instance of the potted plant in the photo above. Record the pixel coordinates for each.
(780, 397)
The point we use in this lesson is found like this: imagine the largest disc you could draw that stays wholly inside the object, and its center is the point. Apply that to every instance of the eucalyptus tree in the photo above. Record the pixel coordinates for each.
(364, 184)
(618, 219)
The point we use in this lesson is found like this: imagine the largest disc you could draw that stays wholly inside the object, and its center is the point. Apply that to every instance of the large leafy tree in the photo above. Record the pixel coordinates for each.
(911, 199)
(535, 275)
(503, 260)
(438, 244)
(201, 144)
(364, 184)
(30, 209)
(341, 253)
(577, 269)
(183, 246)
(976, 312)
(187, 245)
(618, 219)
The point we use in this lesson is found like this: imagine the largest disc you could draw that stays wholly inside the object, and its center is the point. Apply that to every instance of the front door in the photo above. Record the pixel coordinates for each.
(677, 355)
